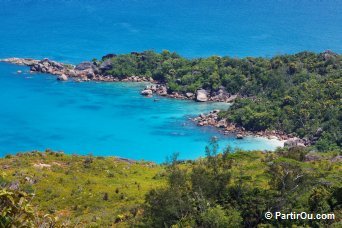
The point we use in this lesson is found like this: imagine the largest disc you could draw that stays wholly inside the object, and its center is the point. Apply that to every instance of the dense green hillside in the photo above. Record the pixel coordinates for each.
(298, 93)
(222, 190)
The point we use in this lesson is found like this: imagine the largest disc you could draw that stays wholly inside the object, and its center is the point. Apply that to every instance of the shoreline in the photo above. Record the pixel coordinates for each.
(226, 128)
(88, 71)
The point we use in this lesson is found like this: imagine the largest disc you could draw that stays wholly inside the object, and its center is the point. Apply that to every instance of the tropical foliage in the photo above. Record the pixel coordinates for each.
(299, 94)
(236, 189)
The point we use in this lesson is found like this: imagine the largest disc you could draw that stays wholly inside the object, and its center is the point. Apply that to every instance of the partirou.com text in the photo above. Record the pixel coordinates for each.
(299, 215)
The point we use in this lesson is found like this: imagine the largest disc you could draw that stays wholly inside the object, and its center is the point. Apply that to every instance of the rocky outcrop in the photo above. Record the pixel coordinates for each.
(222, 95)
(86, 70)
(225, 127)
(84, 66)
(21, 61)
(294, 142)
(82, 72)
(190, 95)
(147, 92)
(161, 90)
(135, 79)
(201, 95)
(327, 55)
(48, 66)
(130, 161)
(106, 66)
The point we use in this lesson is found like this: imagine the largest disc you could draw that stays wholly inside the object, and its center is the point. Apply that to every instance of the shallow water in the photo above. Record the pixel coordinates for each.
(38, 112)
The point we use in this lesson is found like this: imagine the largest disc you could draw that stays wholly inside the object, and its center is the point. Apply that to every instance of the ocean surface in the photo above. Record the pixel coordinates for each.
(37, 112)
(77, 30)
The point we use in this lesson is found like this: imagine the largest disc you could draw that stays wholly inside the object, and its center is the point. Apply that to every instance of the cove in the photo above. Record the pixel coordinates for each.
(104, 119)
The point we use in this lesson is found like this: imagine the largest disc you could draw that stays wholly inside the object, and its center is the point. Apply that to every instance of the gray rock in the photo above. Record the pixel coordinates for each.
(147, 92)
(14, 185)
(162, 90)
(319, 132)
(239, 136)
(189, 95)
(72, 73)
(153, 88)
(85, 66)
(90, 75)
(20, 61)
(222, 123)
(338, 158)
(62, 77)
(106, 65)
(328, 55)
(45, 62)
(30, 180)
(312, 157)
(201, 95)
(56, 65)
(294, 142)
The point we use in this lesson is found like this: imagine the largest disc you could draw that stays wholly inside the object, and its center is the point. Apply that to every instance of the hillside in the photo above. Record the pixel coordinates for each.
(228, 189)
(82, 189)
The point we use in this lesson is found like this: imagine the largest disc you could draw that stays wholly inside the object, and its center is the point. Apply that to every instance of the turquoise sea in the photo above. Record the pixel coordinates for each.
(37, 112)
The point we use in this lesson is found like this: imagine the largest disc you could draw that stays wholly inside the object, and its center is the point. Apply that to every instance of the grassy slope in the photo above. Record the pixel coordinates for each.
(74, 188)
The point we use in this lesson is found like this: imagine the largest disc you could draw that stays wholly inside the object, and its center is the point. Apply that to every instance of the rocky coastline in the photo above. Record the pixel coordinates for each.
(93, 71)
(223, 126)
(201, 95)
(85, 71)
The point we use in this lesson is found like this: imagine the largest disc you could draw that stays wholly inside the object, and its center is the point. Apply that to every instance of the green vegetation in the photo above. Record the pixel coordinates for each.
(222, 190)
(80, 190)
(236, 189)
(299, 94)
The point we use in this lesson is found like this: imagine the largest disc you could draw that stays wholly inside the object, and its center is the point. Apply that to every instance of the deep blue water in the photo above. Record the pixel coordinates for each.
(76, 30)
(37, 112)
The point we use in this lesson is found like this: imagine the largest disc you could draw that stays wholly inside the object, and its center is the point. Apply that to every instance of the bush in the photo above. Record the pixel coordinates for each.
(216, 217)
